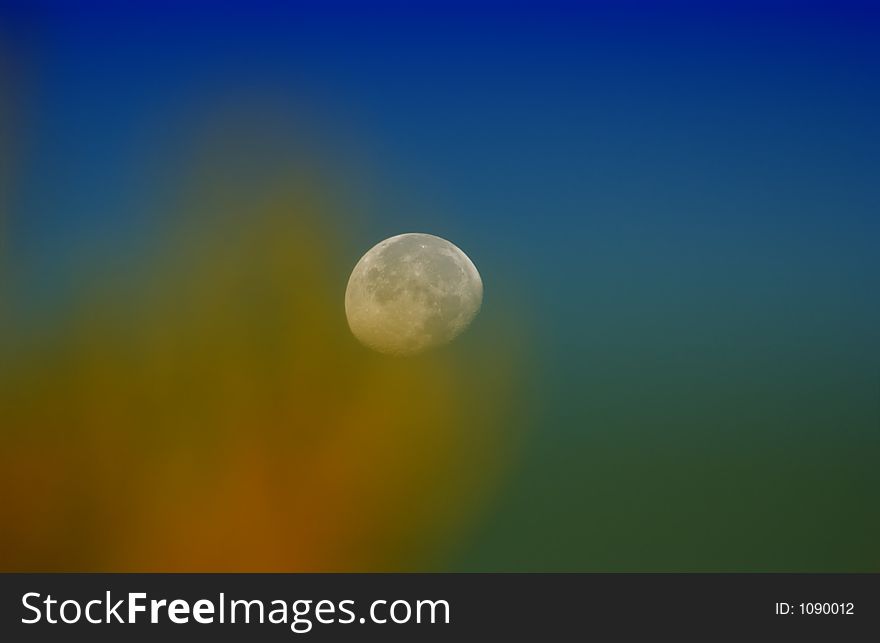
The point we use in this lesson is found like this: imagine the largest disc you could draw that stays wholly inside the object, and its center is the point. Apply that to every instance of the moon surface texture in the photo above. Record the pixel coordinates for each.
(412, 292)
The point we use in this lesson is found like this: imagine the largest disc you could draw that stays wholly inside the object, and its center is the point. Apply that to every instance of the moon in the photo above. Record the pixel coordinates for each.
(412, 292)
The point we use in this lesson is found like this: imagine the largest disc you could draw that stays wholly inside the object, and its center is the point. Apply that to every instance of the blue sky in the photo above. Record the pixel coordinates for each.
(685, 199)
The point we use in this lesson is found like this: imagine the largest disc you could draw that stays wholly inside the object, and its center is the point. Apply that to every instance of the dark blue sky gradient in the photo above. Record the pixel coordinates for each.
(685, 199)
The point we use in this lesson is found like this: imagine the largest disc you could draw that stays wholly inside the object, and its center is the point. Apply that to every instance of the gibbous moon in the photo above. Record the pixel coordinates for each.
(412, 292)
